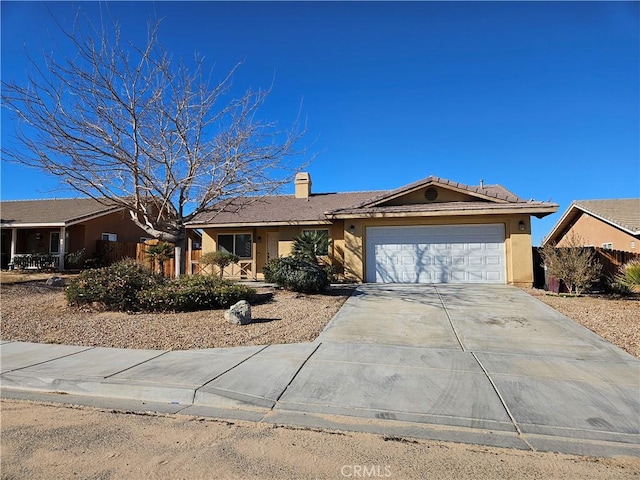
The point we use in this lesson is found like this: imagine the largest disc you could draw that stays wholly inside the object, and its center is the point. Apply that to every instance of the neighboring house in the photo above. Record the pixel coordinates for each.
(59, 226)
(432, 231)
(610, 224)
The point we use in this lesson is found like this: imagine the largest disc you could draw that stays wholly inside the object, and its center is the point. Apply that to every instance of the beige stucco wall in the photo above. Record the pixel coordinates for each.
(418, 196)
(286, 234)
(347, 249)
(595, 232)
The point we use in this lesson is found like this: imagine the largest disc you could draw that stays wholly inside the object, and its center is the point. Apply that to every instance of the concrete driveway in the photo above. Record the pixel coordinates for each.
(470, 363)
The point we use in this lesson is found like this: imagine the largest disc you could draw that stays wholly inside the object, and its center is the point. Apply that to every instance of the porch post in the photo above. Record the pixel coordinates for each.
(61, 248)
(14, 241)
(189, 265)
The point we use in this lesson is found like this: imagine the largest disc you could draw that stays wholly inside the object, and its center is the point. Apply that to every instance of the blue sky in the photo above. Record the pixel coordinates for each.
(540, 97)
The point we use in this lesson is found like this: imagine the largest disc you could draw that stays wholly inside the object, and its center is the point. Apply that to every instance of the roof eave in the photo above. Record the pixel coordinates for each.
(536, 211)
(256, 224)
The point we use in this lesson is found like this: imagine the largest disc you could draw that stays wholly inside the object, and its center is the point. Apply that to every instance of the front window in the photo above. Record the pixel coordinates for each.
(110, 237)
(239, 244)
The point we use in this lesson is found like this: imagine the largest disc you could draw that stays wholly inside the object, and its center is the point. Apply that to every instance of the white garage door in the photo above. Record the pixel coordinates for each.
(436, 254)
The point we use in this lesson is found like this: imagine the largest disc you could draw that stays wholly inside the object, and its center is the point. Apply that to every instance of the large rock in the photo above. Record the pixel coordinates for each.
(239, 314)
(55, 282)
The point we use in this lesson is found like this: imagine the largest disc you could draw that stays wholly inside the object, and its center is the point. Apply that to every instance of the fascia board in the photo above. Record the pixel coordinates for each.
(258, 224)
(448, 213)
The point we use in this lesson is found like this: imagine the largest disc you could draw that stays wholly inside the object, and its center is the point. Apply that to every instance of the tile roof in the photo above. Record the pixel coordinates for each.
(489, 192)
(282, 209)
(320, 208)
(451, 207)
(623, 212)
(51, 211)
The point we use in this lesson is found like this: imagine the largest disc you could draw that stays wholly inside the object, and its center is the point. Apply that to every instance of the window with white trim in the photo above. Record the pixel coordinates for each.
(109, 237)
(608, 246)
(239, 244)
(324, 231)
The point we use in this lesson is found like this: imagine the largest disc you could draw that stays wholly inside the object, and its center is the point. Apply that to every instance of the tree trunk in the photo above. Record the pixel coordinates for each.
(179, 256)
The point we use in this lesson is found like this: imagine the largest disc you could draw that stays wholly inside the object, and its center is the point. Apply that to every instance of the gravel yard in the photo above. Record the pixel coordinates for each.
(36, 313)
(616, 319)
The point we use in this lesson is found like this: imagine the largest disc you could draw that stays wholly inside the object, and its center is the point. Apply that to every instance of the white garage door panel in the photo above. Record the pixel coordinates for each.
(436, 254)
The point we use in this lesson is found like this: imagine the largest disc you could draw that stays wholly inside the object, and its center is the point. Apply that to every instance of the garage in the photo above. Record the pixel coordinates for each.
(436, 254)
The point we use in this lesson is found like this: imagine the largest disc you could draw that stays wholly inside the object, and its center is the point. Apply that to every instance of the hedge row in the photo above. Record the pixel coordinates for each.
(128, 286)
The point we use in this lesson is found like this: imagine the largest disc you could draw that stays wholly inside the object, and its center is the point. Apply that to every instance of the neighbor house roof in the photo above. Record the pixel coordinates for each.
(322, 208)
(51, 212)
(622, 213)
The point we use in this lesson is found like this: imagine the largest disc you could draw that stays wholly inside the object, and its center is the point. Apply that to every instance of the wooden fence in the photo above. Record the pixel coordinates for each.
(110, 252)
(611, 261)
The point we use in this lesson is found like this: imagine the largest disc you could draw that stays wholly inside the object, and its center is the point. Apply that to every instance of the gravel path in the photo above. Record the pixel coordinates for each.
(34, 312)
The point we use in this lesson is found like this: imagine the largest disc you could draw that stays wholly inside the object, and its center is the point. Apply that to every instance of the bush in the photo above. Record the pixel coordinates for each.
(297, 275)
(627, 280)
(311, 244)
(193, 292)
(575, 265)
(220, 259)
(115, 287)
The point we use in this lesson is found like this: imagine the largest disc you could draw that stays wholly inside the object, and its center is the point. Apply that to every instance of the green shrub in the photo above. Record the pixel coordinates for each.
(193, 292)
(220, 259)
(297, 275)
(75, 259)
(115, 287)
(310, 245)
(627, 280)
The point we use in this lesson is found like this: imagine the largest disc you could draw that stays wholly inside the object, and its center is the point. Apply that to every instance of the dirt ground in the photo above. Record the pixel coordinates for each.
(35, 312)
(44, 441)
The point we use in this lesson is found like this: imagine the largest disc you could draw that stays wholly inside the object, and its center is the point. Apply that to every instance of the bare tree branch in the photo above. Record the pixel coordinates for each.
(129, 125)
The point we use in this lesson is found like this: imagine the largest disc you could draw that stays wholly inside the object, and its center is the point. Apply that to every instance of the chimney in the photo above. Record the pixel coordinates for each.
(303, 185)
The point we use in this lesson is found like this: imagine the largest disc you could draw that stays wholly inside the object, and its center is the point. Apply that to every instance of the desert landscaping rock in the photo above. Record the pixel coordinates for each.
(55, 282)
(239, 314)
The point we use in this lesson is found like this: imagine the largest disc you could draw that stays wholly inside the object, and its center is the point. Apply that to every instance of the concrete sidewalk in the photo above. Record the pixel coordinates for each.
(475, 364)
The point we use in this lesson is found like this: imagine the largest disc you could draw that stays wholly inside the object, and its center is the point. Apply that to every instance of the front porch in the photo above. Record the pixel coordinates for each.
(34, 248)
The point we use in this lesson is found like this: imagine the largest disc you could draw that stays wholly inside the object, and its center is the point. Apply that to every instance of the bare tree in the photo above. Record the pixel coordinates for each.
(572, 263)
(131, 126)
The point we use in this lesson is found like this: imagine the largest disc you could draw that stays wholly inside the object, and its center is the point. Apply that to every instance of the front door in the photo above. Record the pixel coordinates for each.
(272, 245)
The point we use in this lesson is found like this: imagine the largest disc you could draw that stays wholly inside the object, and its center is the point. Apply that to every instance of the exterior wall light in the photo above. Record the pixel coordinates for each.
(521, 226)
(352, 229)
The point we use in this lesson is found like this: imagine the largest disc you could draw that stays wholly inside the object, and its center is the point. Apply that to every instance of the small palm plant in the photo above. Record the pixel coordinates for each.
(311, 244)
(160, 252)
(629, 275)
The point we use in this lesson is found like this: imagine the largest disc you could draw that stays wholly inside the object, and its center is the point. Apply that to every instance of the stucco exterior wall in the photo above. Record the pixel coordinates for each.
(285, 234)
(348, 244)
(418, 196)
(117, 223)
(595, 232)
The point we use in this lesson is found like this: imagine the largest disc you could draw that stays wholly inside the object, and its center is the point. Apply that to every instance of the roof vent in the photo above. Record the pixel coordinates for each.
(431, 194)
